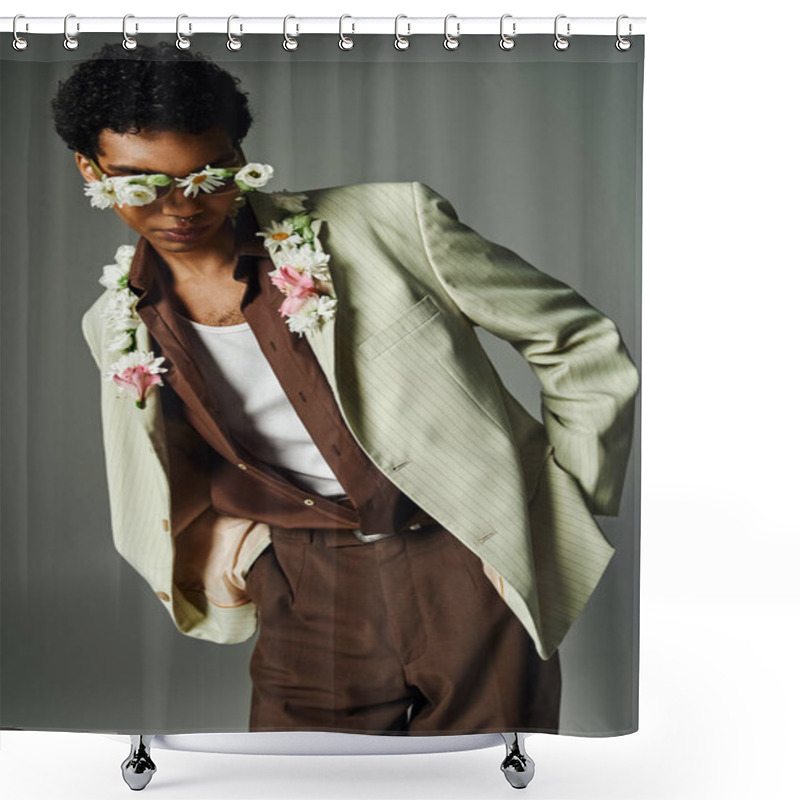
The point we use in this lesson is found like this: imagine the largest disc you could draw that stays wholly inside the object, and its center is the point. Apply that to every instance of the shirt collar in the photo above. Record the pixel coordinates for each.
(146, 264)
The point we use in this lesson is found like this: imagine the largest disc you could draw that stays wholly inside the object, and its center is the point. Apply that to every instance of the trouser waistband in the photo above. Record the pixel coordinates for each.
(344, 537)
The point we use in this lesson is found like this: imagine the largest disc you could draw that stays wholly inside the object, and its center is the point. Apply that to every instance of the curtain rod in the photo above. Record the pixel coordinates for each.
(350, 25)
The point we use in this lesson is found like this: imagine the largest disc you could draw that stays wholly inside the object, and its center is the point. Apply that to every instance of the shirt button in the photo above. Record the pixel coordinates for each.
(308, 501)
(162, 596)
(165, 524)
(241, 466)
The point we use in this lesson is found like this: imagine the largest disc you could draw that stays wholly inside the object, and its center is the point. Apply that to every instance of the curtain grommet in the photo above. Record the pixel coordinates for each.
(288, 42)
(451, 41)
(233, 44)
(19, 43)
(507, 42)
(70, 42)
(345, 42)
(182, 42)
(560, 42)
(128, 42)
(622, 44)
(401, 42)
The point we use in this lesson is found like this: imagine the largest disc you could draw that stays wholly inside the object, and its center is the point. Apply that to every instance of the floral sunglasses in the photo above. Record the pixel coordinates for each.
(145, 188)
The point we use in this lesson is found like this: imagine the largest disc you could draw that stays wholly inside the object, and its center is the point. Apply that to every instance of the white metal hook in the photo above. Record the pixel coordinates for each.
(19, 43)
(128, 42)
(233, 43)
(451, 42)
(288, 42)
(345, 42)
(560, 43)
(400, 42)
(622, 43)
(182, 43)
(507, 41)
(70, 42)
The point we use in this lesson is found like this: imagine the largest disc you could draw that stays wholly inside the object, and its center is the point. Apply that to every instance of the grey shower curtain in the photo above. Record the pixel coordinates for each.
(494, 210)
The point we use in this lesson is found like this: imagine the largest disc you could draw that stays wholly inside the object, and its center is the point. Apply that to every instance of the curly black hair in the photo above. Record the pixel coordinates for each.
(156, 88)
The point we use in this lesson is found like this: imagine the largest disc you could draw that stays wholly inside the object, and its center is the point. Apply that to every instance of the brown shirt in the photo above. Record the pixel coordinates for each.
(241, 484)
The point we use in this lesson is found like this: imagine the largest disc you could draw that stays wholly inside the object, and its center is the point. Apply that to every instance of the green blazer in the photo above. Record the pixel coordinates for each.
(422, 398)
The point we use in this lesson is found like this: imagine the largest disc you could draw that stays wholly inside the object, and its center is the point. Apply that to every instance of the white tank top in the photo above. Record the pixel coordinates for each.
(252, 401)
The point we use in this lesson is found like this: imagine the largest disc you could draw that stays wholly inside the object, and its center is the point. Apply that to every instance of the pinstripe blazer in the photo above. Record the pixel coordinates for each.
(422, 398)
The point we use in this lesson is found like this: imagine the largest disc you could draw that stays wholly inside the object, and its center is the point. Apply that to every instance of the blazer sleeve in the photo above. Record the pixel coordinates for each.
(589, 382)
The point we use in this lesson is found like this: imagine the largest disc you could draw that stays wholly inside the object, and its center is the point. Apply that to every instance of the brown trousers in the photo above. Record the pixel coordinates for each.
(401, 636)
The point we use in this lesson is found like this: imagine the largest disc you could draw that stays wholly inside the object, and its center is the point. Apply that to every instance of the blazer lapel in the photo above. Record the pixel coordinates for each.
(324, 340)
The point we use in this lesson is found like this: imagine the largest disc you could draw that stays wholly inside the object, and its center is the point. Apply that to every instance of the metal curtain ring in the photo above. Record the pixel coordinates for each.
(400, 42)
(623, 43)
(345, 42)
(233, 43)
(507, 42)
(560, 43)
(70, 42)
(451, 42)
(182, 43)
(19, 43)
(128, 42)
(288, 42)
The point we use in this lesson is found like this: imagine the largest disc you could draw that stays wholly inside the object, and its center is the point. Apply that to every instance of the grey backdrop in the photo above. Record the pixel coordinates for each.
(537, 149)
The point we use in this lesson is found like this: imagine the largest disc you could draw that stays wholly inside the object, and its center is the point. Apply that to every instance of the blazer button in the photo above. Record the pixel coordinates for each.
(162, 596)
(308, 501)
(241, 466)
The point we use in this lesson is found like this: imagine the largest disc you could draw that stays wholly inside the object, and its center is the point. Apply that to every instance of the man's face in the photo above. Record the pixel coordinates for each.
(176, 154)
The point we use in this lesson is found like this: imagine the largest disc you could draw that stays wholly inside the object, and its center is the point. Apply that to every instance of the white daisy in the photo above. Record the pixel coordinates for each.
(279, 235)
(205, 180)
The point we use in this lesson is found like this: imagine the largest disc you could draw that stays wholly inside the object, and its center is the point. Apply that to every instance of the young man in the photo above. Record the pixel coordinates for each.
(302, 430)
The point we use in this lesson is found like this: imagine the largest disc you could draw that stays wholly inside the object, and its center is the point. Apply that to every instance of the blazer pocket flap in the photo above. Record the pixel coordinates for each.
(416, 316)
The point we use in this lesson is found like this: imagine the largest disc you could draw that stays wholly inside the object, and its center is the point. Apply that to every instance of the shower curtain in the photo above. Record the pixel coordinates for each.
(338, 430)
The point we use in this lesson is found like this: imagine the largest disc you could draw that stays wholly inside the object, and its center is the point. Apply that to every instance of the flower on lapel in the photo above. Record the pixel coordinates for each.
(297, 286)
(301, 265)
(136, 372)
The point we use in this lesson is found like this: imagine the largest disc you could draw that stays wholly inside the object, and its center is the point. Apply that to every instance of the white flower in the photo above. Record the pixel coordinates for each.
(134, 373)
(290, 201)
(120, 341)
(137, 358)
(206, 180)
(280, 234)
(134, 194)
(119, 310)
(313, 313)
(102, 192)
(114, 276)
(253, 175)
(304, 259)
(124, 255)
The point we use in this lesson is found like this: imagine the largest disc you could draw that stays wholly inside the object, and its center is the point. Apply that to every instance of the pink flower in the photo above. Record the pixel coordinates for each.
(137, 380)
(297, 287)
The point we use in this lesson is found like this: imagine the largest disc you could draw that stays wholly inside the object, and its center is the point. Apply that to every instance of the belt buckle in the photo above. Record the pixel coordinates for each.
(366, 538)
